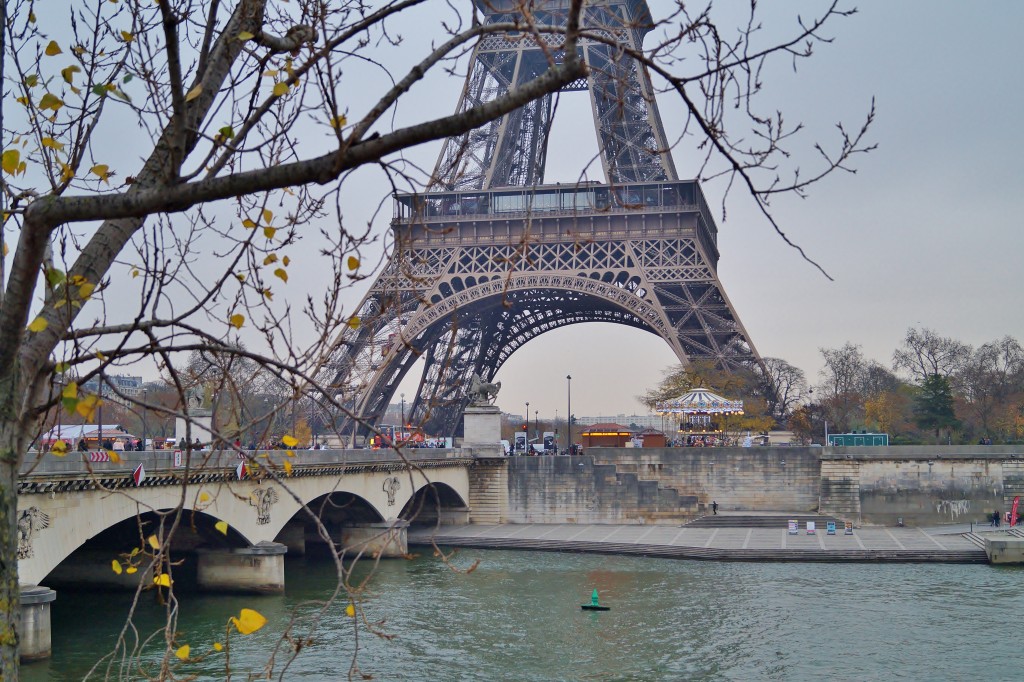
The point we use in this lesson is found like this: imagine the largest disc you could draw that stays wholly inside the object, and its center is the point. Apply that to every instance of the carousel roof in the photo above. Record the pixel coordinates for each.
(699, 401)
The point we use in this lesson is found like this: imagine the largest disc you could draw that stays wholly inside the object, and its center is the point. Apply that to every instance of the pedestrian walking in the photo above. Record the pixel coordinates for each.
(714, 507)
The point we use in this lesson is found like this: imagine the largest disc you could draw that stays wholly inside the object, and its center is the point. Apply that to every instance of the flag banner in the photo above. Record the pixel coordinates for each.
(139, 475)
(1013, 511)
(241, 470)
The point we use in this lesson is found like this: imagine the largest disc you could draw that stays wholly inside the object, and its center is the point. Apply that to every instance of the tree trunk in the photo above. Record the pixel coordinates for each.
(10, 594)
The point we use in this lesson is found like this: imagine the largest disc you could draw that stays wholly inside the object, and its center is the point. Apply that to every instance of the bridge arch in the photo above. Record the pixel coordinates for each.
(255, 510)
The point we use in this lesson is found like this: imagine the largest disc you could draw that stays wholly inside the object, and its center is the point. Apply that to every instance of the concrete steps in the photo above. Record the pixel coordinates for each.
(755, 520)
(718, 554)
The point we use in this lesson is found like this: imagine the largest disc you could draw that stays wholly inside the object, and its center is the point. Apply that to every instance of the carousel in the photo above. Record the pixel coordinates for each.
(698, 411)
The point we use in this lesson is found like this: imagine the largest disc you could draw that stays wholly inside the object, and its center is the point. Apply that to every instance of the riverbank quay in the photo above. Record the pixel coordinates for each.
(865, 545)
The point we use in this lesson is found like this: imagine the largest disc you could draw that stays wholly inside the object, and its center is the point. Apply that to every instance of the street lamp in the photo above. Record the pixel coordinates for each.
(536, 424)
(145, 393)
(526, 427)
(403, 413)
(568, 414)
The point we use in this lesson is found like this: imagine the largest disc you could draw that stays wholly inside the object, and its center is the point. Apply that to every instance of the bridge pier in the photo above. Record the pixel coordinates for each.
(251, 570)
(34, 635)
(388, 539)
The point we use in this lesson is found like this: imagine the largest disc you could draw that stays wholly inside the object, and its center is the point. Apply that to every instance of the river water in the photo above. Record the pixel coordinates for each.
(518, 617)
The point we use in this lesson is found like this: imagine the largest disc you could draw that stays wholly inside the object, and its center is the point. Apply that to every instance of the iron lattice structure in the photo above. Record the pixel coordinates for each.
(490, 257)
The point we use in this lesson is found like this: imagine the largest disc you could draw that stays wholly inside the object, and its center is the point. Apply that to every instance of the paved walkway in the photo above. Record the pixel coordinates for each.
(735, 544)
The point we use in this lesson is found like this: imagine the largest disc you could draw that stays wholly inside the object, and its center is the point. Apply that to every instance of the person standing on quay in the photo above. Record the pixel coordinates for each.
(714, 507)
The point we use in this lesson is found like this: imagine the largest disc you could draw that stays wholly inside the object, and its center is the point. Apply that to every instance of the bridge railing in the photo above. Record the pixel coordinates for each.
(48, 465)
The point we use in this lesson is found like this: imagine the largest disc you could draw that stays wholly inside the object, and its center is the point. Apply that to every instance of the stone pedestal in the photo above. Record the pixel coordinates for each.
(482, 429)
(34, 634)
(386, 540)
(250, 570)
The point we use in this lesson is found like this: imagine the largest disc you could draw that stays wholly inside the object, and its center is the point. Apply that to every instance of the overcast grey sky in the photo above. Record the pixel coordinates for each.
(927, 233)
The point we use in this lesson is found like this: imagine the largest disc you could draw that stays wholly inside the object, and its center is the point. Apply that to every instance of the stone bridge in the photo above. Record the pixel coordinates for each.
(76, 516)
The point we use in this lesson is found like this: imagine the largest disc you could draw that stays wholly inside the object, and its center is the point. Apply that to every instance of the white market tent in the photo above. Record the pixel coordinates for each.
(72, 433)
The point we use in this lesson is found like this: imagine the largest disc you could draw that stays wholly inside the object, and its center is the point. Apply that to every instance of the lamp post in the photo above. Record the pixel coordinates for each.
(526, 428)
(403, 413)
(536, 424)
(568, 414)
(99, 408)
(145, 394)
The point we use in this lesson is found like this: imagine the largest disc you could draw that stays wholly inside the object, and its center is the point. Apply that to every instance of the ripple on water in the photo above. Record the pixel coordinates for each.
(517, 616)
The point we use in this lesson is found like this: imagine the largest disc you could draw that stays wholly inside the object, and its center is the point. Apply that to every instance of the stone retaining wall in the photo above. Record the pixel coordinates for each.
(922, 485)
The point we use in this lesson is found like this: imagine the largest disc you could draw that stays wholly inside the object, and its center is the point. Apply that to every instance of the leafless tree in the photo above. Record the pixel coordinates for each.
(925, 353)
(251, 118)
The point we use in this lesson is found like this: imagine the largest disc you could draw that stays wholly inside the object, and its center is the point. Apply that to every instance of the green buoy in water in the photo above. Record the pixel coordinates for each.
(594, 605)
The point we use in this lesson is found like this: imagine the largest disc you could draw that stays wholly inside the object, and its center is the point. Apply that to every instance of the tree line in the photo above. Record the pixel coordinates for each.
(936, 389)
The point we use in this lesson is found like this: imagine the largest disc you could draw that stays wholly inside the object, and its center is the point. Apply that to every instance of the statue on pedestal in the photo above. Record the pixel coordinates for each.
(482, 393)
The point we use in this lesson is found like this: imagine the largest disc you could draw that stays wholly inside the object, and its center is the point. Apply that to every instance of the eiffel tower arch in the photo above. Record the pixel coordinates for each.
(490, 257)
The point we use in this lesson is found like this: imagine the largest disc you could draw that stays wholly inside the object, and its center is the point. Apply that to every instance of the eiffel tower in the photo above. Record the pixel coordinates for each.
(490, 257)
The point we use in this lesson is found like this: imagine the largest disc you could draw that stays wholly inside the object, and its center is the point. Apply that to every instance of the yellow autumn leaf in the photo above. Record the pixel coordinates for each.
(353, 262)
(50, 101)
(38, 325)
(287, 468)
(116, 565)
(204, 497)
(338, 121)
(240, 276)
(87, 406)
(163, 580)
(218, 646)
(70, 391)
(135, 273)
(128, 37)
(350, 611)
(60, 448)
(271, 258)
(280, 89)
(114, 457)
(245, 35)
(237, 320)
(289, 453)
(11, 159)
(286, 260)
(354, 322)
(102, 171)
(194, 92)
(222, 526)
(153, 542)
(66, 172)
(182, 652)
(269, 232)
(249, 621)
(130, 570)
(248, 224)
(268, 294)
(290, 441)
(268, 215)
(51, 143)
(52, 49)
(281, 274)
(68, 74)
(85, 291)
